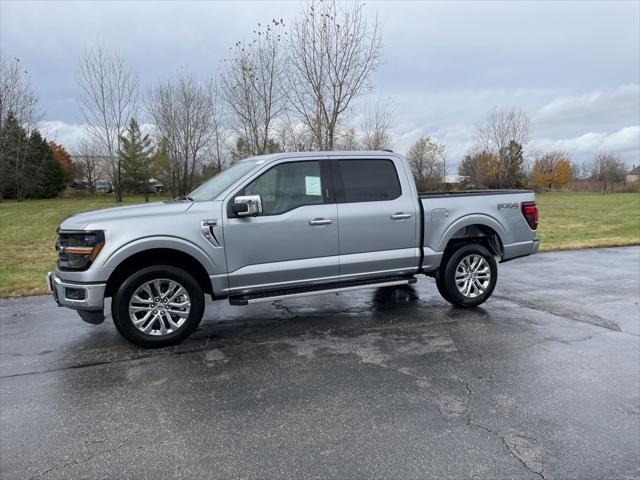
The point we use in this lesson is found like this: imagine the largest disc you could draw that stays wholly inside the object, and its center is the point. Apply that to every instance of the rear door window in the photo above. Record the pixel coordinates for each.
(367, 181)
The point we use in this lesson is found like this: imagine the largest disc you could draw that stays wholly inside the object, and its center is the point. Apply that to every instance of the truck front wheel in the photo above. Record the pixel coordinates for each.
(468, 276)
(158, 306)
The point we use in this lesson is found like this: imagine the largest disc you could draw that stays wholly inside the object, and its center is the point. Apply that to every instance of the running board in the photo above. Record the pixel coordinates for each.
(316, 290)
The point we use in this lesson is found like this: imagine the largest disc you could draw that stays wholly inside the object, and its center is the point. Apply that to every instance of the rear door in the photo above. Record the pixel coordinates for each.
(295, 240)
(377, 218)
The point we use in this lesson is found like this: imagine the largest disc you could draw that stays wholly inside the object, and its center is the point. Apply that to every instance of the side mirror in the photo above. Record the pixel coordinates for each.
(247, 205)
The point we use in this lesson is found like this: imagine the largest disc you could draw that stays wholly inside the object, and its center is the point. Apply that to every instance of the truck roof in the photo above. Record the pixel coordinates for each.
(339, 153)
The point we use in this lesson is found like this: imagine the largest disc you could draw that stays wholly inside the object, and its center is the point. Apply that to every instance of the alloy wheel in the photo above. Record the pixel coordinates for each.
(159, 307)
(473, 276)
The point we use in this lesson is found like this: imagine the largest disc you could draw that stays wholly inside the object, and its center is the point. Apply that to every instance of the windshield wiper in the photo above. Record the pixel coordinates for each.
(185, 197)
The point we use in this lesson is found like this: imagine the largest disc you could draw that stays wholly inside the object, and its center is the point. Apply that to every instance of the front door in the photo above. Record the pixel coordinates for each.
(378, 232)
(294, 241)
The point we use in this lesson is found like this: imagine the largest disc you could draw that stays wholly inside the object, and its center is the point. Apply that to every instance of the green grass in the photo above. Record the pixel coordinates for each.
(28, 234)
(584, 220)
(567, 220)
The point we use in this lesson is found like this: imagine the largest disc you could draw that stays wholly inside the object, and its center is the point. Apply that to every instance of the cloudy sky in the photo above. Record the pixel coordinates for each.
(574, 66)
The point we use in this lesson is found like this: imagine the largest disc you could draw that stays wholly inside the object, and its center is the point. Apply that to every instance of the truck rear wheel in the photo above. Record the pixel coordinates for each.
(468, 276)
(158, 306)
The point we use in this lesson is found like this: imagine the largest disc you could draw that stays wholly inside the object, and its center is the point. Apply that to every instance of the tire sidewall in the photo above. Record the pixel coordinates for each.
(120, 306)
(453, 293)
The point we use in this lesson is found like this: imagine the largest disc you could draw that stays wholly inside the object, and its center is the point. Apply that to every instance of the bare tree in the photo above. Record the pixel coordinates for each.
(251, 86)
(292, 135)
(494, 136)
(608, 169)
(19, 110)
(108, 97)
(183, 112)
(219, 148)
(333, 51)
(347, 140)
(88, 164)
(16, 94)
(376, 127)
(427, 158)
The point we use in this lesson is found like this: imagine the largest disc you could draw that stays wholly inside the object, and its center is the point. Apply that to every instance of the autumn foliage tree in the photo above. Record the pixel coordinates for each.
(63, 158)
(478, 168)
(552, 170)
(427, 158)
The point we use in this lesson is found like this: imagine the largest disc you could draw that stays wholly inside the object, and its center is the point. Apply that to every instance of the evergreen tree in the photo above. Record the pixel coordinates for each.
(49, 173)
(135, 153)
(511, 173)
(17, 175)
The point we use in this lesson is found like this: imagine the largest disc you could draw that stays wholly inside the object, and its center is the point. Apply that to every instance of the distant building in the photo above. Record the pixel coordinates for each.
(634, 174)
(102, 164)
(156, 184)
(455, 179)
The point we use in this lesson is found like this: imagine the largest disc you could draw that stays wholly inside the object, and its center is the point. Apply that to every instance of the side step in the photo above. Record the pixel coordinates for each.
(269, 296)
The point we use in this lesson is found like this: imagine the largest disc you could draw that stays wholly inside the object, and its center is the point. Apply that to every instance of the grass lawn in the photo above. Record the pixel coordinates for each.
(28, 235)
(583, 220)
(567, 220)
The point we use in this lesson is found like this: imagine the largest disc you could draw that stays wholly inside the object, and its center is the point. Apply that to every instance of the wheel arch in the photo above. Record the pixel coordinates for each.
(477, 228)
(157, 253)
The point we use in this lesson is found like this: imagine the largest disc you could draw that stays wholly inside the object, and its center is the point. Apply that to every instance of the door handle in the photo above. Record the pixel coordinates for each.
(320, 221)
(400, 216)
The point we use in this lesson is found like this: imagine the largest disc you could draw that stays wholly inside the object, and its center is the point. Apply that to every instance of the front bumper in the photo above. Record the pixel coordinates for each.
(78, 296)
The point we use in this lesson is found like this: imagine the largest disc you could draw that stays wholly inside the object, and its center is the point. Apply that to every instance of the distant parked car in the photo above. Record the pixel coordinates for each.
(104, 187)
(80, 186)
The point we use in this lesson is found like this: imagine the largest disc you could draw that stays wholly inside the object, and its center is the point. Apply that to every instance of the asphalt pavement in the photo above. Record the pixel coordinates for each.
(541, 382)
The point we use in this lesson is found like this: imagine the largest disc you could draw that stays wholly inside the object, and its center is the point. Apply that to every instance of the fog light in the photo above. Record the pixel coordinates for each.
(75, 293)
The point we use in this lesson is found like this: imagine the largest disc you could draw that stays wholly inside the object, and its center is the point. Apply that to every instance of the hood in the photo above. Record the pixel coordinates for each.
(96, 218)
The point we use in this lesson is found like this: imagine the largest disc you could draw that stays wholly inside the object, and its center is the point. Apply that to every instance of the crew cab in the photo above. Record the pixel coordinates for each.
(280, 226)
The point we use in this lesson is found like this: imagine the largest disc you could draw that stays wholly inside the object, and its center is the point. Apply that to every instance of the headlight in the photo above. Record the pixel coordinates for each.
(78, 249)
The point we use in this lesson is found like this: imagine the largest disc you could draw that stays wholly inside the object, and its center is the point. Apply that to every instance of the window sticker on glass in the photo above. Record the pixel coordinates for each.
(312, 186)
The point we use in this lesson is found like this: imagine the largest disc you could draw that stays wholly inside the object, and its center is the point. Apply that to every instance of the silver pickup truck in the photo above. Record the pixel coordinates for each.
(280, 226)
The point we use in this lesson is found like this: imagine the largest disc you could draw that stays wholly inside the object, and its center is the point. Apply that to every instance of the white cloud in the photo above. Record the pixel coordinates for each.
(68, 135)
(625, 142)
(596, 108)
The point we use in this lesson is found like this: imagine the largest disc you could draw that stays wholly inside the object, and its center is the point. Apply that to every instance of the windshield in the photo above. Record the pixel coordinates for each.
(213, 187)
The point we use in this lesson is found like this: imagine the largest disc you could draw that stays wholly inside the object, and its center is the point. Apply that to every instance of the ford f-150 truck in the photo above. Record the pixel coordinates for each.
(280, 226)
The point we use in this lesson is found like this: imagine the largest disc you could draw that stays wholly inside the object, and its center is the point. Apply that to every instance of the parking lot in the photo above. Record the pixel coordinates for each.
(543, 381)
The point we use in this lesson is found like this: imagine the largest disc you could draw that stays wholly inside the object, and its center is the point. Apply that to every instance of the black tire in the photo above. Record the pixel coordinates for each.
(120, 306)
(446, 280)
(442, 289)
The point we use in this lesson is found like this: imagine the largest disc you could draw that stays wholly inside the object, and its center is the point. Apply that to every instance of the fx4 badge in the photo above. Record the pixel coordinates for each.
(507, 205)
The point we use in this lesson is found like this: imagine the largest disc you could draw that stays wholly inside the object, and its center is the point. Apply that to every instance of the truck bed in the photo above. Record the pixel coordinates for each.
(492, 213)
(469, 193)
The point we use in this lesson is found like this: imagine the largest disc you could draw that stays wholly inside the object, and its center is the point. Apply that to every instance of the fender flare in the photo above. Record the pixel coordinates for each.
(474, 219)
(165, 242)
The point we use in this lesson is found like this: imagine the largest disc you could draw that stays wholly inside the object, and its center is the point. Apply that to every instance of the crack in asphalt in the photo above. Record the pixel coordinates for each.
(85, 460)
(81, 365)
(510, 447)
(563, 312)
(567, 341)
